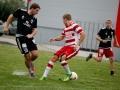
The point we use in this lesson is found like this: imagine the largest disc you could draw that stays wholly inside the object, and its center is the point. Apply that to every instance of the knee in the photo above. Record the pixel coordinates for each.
(34, 56)
(111, 60)
(99, 60)
(54, 58)
(63, 58)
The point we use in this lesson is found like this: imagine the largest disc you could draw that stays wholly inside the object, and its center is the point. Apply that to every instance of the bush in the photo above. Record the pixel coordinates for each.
(9, 6)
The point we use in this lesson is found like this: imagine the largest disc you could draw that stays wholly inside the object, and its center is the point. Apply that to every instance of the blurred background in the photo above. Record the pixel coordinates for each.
(90, 14)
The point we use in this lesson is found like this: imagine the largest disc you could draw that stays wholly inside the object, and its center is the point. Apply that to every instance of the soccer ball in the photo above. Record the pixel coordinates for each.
(74, 76)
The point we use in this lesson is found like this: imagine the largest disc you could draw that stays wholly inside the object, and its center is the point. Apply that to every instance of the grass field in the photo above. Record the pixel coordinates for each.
(92, 75)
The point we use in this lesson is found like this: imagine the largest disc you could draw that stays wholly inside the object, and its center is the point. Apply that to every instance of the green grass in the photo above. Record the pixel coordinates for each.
(92, 75)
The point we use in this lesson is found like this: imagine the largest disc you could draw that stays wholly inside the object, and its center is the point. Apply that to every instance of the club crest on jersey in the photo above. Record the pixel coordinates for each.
(27, 24)
(111, 33)
(109, 37)
(31, 20)
(23, 17)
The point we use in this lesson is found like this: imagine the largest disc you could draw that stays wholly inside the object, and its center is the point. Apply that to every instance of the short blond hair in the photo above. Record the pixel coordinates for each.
(109, 21)
(67, 16)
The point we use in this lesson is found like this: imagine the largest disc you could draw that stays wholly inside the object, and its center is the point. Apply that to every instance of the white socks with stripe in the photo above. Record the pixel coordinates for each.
(48, 68)
(66, 67)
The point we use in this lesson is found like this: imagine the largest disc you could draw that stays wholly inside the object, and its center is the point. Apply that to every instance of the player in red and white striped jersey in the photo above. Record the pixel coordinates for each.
(74, 36)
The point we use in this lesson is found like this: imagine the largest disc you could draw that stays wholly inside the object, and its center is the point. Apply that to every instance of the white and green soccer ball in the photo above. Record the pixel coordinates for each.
(74, 76)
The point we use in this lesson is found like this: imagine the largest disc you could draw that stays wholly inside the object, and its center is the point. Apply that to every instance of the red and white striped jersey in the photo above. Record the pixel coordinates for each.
(72, 33)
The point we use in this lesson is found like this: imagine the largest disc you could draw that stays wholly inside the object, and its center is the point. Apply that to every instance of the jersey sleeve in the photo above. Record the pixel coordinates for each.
(17, 13)
(100, 33)
(35, 23)
(78, 29)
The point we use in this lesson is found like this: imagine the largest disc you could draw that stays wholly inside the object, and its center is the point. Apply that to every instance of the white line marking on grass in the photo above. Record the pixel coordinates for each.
(20, 73)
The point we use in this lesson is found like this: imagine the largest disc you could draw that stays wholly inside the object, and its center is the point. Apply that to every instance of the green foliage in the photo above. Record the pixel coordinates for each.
(9, 6)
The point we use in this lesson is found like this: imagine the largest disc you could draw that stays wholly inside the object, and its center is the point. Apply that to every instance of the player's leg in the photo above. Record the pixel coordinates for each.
(89, 57)
(28, 63)
(69, 53)
(34, 55)
(66, 67)
(112, 66)
(22, 45)
(33, 49)
(49, 67)
(96, 58)
(52, 61)
(109, 54)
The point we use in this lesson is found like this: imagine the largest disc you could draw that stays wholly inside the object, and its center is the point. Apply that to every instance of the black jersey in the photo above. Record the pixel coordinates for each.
(25, 22)
(106, 34)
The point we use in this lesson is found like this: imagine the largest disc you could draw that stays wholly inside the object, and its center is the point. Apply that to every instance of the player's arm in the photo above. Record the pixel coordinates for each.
(82, 37)
(79, 31)
(11, 18)
(34, 31)
(99, 35)
(98, 38)
(8, 22)
(59, 38)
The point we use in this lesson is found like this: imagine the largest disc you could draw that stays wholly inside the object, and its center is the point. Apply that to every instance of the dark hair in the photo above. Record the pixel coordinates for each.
(67, 16)
(34, 6)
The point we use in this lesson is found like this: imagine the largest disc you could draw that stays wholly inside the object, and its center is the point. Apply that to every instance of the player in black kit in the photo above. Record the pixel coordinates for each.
(105, 37)
(26, 30)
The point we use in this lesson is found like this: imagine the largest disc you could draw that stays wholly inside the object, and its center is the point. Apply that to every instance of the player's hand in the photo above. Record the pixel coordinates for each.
(29, 36)
(104, 41)
(5, 29)
(51, 40)
(77, 47)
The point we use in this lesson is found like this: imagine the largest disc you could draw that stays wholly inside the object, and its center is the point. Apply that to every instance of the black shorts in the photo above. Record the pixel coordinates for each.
(26, 45)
